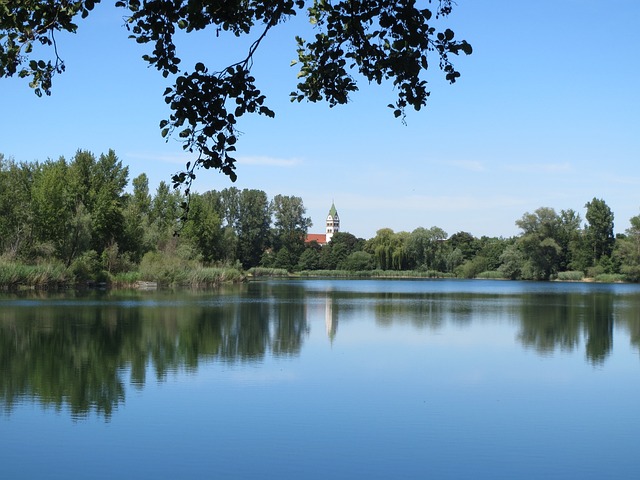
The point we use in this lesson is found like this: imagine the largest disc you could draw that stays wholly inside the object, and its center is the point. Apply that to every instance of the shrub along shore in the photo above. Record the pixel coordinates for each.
(15, 276)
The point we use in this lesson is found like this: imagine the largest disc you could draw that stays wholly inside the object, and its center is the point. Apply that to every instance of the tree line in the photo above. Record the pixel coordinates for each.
(78, 214)
(551, 245)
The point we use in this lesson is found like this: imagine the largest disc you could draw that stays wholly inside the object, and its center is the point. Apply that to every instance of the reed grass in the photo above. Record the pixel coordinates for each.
(165, 269)
(214, 276)
(490, 275)
(15, 275)
(126, 278)
(267, 272)
(609, 278)
(571, 276)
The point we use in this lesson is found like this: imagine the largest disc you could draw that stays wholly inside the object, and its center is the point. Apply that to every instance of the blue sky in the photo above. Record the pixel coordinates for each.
(546, 114)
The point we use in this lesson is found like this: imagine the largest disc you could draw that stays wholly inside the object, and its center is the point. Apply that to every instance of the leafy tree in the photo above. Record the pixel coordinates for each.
(488, 257)
(542, 257)
(599, 232)
(290, 224)
(230, 206)
(542, 223)
(627, 250)
(229, 245)
(254, 218)
(544, 247)
(81, 177)
(569, 237)
(349, 240)
(136, 218)
(203, 229)
(389, 249)
(163, 216)
(381, 247)
(342, 244)
(53, 208)
(512, 262)
(452, 259)
(141, 198)
(309, 260)
(473, 267)
(381, 40)
(79, 233)
(425, 248)
(359, 261)
(466, 243)
(107, 200)
(16, 225)
(333, 255)
(284, 259)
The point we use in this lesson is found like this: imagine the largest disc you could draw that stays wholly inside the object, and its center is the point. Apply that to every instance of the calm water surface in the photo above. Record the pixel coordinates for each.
(323, 379)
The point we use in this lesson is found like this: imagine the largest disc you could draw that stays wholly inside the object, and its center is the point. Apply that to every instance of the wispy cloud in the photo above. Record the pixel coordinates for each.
(471, 165)
(540, 167)
(427, 203)
(269, 161)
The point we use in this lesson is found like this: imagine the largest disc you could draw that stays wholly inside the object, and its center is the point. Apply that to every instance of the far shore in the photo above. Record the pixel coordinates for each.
(22, 277)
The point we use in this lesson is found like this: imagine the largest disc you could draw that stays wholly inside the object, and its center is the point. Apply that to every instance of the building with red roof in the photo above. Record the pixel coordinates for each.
(332, 226)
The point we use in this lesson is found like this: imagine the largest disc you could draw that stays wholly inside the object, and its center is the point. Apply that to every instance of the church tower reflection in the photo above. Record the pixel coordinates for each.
(330, 319)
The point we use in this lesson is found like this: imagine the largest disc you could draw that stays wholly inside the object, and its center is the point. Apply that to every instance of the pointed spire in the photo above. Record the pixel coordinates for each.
(333, 212)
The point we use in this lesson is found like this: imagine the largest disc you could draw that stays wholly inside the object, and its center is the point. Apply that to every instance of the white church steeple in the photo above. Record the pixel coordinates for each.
(333, 222)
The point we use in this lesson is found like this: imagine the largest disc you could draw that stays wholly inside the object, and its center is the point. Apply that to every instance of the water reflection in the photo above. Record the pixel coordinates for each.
(330, 318)
(561, 321)
(78, 352)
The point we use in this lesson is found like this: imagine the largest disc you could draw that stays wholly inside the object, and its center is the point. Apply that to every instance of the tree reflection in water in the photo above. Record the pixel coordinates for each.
(550, 322)
(78, 352)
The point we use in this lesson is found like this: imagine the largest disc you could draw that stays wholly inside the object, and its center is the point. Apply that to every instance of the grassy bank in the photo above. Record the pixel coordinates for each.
(374, 274)
(161, 271)
(15, 276)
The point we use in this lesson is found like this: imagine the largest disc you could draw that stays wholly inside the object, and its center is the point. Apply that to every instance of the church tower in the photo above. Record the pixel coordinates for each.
(333, 222)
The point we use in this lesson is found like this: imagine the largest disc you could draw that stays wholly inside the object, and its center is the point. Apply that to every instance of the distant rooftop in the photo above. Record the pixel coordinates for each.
(321, 238)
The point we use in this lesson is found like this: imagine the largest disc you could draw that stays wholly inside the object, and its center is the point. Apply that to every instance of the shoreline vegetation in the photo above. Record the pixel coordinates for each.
(16, 276)
(52, 276)
(73, 223)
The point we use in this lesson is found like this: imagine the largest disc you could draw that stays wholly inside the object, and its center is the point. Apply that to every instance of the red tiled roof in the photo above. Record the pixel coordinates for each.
(321, 238)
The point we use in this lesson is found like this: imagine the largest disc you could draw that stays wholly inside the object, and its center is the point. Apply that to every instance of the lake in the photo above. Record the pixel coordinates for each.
(330, 379)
